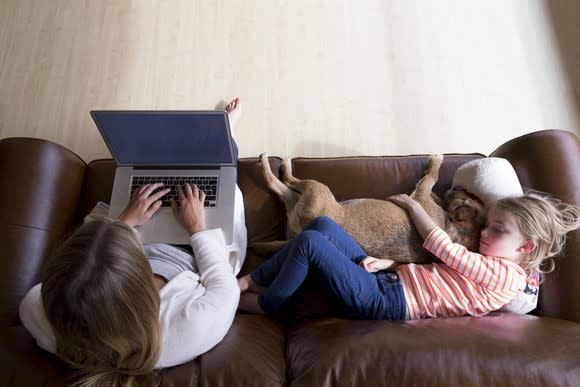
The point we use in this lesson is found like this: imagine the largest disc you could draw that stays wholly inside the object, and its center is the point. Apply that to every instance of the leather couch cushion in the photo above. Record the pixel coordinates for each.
(251, 354)
(25, 364)
(499, 349)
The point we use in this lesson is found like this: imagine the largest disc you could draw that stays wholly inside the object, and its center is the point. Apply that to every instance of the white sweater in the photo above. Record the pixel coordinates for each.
(197, 309)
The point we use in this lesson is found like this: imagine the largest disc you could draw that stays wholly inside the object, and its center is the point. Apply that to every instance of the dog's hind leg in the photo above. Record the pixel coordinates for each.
(292, 183)
(287, 195)
(287, 176)
(271, 180)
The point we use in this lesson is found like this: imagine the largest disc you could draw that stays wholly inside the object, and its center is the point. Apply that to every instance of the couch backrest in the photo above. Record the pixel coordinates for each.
(376, 177)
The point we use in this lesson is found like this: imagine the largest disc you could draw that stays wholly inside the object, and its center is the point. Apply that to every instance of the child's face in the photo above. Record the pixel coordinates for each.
(501, 236)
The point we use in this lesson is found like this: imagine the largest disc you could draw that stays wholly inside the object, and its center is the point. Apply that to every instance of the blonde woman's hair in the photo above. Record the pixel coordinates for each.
(545, 220)
(99, 296)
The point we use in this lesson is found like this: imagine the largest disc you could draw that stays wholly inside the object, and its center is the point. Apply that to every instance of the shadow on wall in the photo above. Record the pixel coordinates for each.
(564, 17)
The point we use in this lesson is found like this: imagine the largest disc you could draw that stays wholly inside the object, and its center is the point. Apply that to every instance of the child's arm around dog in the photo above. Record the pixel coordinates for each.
(423, 222)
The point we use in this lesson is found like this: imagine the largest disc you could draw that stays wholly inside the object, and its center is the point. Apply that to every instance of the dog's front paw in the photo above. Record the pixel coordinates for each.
(436, 160)
(434, 164)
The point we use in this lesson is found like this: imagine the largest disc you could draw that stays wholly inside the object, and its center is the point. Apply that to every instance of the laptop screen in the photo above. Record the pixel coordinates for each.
(179, 138)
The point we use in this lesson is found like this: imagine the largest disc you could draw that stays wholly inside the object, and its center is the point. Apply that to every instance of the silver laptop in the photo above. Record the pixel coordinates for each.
(173, 147)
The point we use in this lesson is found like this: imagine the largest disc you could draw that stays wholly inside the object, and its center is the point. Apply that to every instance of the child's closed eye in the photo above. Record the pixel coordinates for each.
(494, 229)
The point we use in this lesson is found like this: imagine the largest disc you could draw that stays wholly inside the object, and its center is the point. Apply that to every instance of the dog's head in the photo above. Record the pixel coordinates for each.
(464, 208)
(465, 217)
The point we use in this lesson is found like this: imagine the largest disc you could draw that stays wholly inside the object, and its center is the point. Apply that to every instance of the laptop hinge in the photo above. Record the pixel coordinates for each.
(178, 167)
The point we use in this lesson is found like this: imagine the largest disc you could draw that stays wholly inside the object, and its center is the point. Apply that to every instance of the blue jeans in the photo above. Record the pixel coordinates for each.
(326, 248)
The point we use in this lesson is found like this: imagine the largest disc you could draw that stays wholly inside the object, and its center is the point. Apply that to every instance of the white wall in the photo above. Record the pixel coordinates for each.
(317, 77)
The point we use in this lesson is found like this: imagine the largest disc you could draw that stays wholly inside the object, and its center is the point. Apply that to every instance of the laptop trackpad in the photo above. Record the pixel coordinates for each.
(162, 227)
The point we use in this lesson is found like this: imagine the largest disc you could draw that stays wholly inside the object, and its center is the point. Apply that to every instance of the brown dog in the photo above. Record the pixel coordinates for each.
(382, 228)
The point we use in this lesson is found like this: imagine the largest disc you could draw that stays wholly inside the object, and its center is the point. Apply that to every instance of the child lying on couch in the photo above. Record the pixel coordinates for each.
(521, 234)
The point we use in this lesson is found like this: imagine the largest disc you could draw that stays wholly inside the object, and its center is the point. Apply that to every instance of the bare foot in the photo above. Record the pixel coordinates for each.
(234, 110)
(246, 283)
(249, 303)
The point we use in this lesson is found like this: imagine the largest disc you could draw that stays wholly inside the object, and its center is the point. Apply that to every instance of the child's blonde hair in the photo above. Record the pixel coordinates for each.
(545, 220)
(101, 301)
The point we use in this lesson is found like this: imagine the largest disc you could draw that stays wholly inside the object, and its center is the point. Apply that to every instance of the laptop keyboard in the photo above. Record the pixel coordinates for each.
(207, 184)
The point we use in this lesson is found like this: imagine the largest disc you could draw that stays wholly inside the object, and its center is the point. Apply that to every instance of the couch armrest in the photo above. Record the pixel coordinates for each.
(98, 185)
(548, 161)
(41, 186)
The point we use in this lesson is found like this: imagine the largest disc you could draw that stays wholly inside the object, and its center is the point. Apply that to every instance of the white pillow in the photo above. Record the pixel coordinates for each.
(489, 178)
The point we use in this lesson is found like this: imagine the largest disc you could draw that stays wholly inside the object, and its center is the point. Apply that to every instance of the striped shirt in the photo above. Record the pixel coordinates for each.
(466, 283)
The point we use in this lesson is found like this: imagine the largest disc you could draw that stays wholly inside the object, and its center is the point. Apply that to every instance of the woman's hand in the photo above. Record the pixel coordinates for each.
(372, 264)
(143, 205)
(189, 211)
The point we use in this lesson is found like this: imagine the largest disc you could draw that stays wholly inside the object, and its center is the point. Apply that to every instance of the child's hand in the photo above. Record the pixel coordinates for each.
(143, 205)
(403, 200)
(422, 221)
(372, 264)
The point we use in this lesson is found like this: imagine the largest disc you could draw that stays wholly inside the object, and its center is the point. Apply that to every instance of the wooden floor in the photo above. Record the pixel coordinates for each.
(317, 77)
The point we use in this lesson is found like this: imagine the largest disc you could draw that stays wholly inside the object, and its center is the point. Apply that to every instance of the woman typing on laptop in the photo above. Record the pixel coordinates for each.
(116, 311)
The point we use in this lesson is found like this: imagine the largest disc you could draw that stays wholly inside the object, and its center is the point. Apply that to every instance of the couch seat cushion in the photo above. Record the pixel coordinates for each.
(499, 349)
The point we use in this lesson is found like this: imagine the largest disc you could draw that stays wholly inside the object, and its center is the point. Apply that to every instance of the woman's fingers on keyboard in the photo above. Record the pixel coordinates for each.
(200, 195)
(147, 189)
(180, 193)
(159, 194)
(190, 190)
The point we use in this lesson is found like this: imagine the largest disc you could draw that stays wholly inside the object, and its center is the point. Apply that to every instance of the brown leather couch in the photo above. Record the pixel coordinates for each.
(46, 191)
